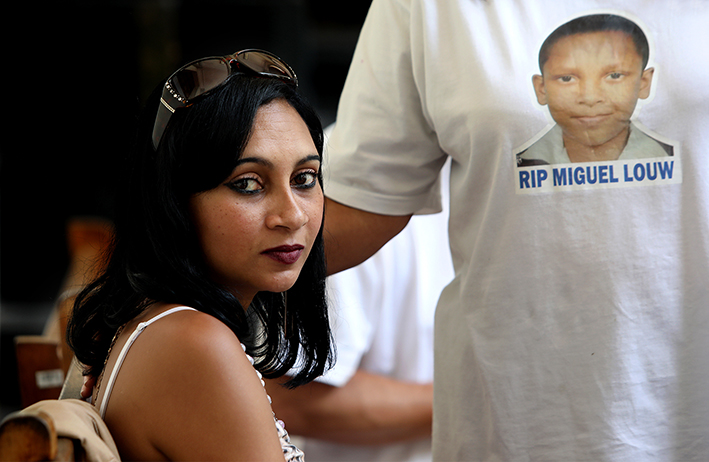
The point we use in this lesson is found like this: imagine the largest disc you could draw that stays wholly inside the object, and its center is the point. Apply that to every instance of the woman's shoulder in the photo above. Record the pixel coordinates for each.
(188, 372)
(185, 322)
(185, 337)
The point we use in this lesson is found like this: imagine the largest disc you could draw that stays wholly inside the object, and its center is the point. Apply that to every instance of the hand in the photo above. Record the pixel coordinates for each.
(88, 386)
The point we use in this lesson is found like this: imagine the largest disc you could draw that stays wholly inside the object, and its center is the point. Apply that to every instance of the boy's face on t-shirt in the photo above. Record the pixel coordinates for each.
(591, 83)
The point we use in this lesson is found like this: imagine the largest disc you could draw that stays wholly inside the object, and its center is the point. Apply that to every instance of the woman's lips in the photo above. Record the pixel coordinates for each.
(286, 254)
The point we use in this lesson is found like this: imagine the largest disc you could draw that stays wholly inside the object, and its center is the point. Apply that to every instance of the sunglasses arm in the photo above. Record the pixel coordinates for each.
(167, 106)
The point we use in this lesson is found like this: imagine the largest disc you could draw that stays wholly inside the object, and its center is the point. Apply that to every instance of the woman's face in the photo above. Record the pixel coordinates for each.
(257, 228)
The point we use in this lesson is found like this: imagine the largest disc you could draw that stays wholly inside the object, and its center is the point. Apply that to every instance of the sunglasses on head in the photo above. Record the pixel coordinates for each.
(199, 77)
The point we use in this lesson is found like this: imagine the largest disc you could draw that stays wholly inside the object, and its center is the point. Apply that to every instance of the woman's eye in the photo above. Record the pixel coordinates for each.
(305, 180)
(245, 185)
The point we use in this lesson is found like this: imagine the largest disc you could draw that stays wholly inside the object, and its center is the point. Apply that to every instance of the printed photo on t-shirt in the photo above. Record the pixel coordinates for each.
(593, 71)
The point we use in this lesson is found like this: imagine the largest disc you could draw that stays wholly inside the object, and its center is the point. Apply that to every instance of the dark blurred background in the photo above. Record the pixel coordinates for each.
(74, 77)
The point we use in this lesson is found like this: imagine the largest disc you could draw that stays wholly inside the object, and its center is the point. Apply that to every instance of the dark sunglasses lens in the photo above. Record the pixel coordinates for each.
(264, 63)
(200, 77)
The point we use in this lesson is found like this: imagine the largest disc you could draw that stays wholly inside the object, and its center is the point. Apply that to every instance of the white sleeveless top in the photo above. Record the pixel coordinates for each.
(290, 451)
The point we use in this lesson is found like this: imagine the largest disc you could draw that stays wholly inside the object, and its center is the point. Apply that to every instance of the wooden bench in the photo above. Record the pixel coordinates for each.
(44, 361)
(48, 428)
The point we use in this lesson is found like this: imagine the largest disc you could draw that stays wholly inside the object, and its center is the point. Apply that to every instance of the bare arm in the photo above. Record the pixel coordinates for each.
(187, 392)
(369, 409)
(353, 235)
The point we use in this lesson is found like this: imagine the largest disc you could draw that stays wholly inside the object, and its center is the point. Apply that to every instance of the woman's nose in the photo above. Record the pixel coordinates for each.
(286, 212)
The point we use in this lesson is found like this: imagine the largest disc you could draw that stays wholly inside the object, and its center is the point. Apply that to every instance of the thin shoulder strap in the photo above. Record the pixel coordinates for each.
(124, 351)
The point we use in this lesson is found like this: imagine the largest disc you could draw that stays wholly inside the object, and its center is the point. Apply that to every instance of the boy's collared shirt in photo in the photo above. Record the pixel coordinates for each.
(550, 148)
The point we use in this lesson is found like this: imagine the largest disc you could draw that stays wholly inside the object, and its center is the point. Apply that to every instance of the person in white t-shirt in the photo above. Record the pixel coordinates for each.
(576, 327)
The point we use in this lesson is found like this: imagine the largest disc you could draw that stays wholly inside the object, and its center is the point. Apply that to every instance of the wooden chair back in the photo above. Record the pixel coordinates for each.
(31, 436)
(56, 430)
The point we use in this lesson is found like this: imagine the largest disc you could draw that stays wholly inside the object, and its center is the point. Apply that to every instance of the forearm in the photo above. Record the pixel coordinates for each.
(353, 235)
(370, 409)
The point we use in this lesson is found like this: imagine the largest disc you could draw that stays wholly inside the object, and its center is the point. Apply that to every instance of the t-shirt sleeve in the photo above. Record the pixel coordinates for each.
(383, 155)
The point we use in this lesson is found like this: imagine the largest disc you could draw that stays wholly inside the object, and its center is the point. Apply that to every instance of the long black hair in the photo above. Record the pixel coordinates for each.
(155, 254)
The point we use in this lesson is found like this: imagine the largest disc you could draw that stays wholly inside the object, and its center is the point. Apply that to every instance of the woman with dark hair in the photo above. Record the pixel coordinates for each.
(217, 264)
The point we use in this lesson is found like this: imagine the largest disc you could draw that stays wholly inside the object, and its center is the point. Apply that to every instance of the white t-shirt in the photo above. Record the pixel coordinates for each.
(578, 322)
(381, 314)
